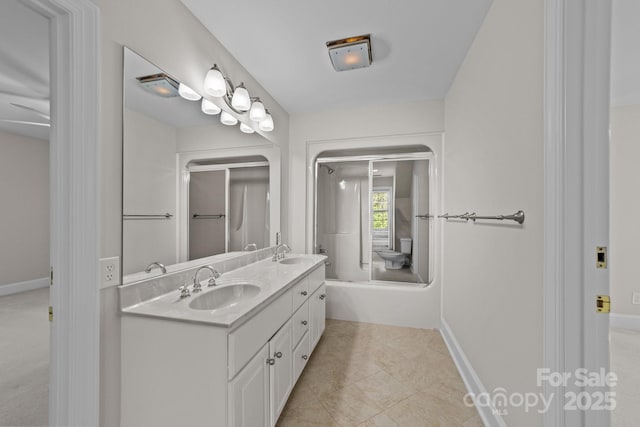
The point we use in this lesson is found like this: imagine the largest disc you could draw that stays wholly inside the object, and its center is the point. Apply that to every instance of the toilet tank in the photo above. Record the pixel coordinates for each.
(405, 245)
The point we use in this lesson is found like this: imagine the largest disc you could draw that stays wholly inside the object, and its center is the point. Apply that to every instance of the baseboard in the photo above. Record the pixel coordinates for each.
(489, 417)
(624, 321)
(29, 285)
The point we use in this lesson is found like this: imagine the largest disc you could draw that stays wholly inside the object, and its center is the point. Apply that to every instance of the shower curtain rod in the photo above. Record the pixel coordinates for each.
(517, 217)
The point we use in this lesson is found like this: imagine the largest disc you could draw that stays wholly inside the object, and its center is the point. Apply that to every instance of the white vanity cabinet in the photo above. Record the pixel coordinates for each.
(195, 374)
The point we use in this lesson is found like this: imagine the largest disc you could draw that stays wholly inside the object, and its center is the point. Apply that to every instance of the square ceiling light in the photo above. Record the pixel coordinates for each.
(159, 84)
(350, 53)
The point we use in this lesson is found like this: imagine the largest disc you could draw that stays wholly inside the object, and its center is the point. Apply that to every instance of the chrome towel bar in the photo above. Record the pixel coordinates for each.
(517, 217)
(160, 216)
(211, 216)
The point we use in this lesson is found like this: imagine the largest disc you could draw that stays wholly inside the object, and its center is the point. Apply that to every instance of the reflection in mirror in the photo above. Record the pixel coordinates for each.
(228, 208)
(179, 162)
(372, 217)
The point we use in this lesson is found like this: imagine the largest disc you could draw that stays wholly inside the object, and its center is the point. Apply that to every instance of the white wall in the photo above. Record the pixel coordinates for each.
(150, 175)
(493, 272)
(24, 191)
(625, 204)
(165, 33)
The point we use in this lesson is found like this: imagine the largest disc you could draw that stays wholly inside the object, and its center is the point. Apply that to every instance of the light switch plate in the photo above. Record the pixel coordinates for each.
(109, 272)
(636, 298)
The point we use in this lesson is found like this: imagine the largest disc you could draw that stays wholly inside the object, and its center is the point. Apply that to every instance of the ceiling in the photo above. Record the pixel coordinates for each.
(417, 47)
(24, 69)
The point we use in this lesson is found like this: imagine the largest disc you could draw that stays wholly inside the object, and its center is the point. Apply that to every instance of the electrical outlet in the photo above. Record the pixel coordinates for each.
(109, 271)
(636, 298)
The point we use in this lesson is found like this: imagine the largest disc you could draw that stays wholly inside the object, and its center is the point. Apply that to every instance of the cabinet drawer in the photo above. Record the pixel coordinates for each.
(315, 279)
(300, 293)
(300, 322)
(245, 341)
(300, 357)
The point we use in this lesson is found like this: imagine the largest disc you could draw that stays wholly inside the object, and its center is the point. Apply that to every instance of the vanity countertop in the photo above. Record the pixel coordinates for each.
(273, 278)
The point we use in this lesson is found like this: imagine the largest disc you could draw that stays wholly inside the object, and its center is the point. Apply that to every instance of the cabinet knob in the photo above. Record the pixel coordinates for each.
(271, 362)
(278, 354)
(304, 322)
(323, 296)
(305, 357)
(303, 293)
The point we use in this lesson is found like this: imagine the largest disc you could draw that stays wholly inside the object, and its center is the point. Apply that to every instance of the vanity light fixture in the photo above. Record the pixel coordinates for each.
(350, 53)
(187, 93)
(159, 84)
(246, 128)
(228, 119)
(237, 99)
(266, 124)
(209, 107)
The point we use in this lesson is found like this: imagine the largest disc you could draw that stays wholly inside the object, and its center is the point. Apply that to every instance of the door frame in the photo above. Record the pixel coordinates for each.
(74, 209)
(576, 195)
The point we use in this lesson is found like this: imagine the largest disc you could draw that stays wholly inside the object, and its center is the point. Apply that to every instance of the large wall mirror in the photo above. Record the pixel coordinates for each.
(192, 187)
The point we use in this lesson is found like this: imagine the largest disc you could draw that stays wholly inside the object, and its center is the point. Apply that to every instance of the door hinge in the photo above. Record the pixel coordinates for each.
(51, 277)
(601, 257)
(50, 313)
(603, 304)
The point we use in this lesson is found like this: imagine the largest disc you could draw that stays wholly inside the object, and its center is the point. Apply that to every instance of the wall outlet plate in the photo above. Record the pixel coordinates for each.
(636, 298)
(109, 272)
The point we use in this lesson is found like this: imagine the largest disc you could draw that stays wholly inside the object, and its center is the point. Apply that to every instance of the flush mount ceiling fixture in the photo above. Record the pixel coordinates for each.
(350, 53)
(159, 84)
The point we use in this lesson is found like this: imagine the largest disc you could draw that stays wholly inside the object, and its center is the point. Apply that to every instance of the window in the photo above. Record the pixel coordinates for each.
(381, 218)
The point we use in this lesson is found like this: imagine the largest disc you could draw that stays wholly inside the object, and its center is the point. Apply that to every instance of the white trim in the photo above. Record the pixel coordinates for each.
(27, 285)
(576, 104)
(625, 321)
(490, 417)
(74, 209)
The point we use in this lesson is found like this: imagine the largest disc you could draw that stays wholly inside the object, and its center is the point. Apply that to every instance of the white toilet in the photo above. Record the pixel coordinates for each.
(394, 260)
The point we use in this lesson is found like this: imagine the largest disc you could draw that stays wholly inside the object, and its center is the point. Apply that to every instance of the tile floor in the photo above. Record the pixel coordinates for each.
(625, 360)
(373, 375)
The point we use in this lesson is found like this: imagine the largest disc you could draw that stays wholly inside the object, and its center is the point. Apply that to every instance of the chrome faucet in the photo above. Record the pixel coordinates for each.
(212, 280)
(156, 265)
(277, 255)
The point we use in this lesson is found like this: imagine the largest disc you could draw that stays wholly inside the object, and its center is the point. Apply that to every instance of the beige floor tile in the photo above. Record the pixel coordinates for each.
(349, 406)
(384, 390)
(370, 375)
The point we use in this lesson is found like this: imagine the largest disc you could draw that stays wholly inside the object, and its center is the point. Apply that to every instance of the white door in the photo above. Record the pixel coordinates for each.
(249, 393)
(281, 370)
(317, 315)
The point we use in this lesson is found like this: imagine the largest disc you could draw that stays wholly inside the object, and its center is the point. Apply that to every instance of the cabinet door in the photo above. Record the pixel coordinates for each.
(249, 393)
(317, 316)
(281, 370)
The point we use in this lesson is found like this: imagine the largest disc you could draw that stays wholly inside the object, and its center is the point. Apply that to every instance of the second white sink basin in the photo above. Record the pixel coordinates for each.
(225, 296)
(296, 260)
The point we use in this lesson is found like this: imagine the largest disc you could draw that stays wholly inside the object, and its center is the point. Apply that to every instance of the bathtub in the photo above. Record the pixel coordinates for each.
(397, 304)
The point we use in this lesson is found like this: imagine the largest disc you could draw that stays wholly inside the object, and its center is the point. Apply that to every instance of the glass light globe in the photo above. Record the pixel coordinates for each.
(246, 129)
(266, 124)
(214, 83)
(227, 119)
(187, 93)
(209, 107)
(257, 112)
(240, 100)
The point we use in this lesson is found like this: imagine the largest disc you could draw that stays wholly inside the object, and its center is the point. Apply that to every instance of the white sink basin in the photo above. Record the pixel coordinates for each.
(224, 296)
(296, 260)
